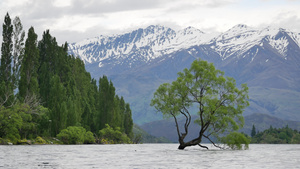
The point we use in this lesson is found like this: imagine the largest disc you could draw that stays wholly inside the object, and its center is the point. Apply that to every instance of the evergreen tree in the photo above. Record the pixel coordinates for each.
(117, 117)
(6, 86)
(128, 122)
(122, 109)
(57, 105)
(253, 131)
(48, 51)
(106, 103)
(28, 85)
(90, 109)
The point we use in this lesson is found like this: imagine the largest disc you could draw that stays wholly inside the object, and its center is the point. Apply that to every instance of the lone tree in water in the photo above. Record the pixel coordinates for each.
(218, 102)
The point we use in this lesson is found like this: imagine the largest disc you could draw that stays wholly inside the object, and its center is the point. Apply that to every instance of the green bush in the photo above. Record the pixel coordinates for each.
(75, 135)
(89, 138)
(40, 140)
(24, 142)
(11, 121)
(236, 141)
(109, 135)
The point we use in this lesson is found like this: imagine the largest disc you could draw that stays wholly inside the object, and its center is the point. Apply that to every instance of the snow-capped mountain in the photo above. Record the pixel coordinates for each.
(241, 38)
(268, 60)
(150, 43)
(137, 47)
(144, 45)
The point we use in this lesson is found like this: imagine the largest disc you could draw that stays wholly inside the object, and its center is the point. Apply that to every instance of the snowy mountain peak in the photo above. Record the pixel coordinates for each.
(145, 44)
(239, 39)
(157, 28)
(190, 30)
(141, 44)
(236, 31)
(239, 27)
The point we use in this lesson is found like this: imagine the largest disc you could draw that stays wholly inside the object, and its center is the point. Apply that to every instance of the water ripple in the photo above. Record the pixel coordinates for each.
(147, 156)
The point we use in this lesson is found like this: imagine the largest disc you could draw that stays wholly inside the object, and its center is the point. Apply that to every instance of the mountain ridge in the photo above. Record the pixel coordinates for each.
(163, 40)
(160, 39)
(138, 62)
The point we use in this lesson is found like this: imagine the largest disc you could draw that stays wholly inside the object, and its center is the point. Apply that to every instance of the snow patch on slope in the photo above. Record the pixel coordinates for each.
(238, 40)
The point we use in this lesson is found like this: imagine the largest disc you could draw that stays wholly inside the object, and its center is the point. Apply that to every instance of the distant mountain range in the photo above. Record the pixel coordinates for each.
(268, 60)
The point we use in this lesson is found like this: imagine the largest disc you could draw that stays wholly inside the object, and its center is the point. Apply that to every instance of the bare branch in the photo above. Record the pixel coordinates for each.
(213, 142)
(4, 100)
(33, 102)
(203, 146)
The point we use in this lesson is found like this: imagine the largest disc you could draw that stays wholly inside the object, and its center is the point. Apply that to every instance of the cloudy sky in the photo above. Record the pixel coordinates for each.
(75, 20)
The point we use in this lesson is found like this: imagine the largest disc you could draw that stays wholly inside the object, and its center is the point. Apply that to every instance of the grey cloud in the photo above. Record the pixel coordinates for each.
(219, 3)
(95, 6)
(37, 9)
(288, 20)
(192, 4)
(291, 22)
(43, 10)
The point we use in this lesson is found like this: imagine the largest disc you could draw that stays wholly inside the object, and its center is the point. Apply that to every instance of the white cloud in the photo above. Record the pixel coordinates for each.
(73, 20)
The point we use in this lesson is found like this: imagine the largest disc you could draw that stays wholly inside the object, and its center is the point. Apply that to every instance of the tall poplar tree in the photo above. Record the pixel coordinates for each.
(128, 122)
(58, 105)
(253, 131)
(48, 52)
(6, 86)
(18, 49)
(28, 85)
(106, 103)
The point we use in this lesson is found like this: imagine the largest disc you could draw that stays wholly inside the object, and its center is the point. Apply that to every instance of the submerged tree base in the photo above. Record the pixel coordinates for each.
(182, 147)
(233, 140)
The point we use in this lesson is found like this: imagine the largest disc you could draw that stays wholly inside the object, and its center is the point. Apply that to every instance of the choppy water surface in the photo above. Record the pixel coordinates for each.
(147, 156)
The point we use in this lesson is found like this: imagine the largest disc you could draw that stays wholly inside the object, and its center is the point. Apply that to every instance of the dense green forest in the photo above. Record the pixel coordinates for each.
(272, 135)
(45, 92)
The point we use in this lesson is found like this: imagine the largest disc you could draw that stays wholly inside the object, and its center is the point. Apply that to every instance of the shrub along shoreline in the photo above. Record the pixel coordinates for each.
(77, 135)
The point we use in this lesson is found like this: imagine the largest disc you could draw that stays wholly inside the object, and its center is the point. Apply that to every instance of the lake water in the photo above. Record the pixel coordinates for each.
(147, 156)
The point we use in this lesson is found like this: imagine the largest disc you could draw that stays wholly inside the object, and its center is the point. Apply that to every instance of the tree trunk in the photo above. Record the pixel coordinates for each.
(194, 142)
(181, 146)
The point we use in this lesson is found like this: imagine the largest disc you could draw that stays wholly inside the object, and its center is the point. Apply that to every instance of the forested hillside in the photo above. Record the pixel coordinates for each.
(43, 90)
(284, 135)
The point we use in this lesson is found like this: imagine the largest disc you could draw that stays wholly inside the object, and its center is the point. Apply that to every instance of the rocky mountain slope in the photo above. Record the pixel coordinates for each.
(268, 60)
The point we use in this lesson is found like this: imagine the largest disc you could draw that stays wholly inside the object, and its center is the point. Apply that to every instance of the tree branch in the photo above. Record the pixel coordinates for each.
(188, 119)
(7, 95)
(203, 146)
(213, 142)
(176, 123)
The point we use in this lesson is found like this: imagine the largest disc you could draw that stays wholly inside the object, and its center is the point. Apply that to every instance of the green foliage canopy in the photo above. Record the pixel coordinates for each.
(219, 103)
